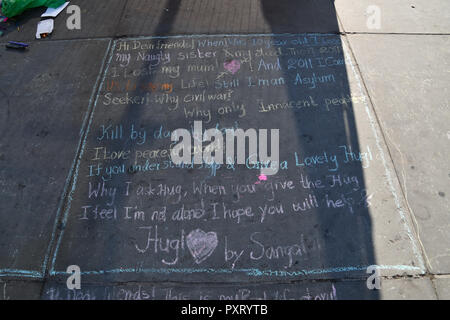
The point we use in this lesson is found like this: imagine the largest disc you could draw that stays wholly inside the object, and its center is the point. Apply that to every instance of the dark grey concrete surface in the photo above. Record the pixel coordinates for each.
(226, 16)
(45, 117)
(307, 290)
(118, 242)
(20, 289)
(45, 97)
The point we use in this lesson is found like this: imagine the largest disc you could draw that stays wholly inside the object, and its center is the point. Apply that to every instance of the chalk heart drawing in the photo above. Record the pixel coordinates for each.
(233, 66)
(201, 244)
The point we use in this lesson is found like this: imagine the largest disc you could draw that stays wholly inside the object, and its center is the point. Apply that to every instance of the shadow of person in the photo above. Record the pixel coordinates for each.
(285, 16)
(314, 63)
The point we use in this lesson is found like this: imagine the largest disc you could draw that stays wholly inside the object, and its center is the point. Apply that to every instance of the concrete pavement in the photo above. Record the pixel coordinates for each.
(381, 92)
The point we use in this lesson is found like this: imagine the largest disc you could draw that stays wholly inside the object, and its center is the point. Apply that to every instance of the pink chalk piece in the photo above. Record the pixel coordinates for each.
(262, 177)
(233, 66)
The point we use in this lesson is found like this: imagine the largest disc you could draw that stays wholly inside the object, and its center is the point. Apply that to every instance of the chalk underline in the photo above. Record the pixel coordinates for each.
(255, 272)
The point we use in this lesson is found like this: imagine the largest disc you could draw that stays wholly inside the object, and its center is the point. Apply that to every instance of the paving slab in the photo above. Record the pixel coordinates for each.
(136, 216)
(174, 17)
(390, 289)
(99, 19)
(407, 289)
(305, 290)
(44, 102)
(442, 284)
(407, 78)
(402, 16)
(20, 290)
